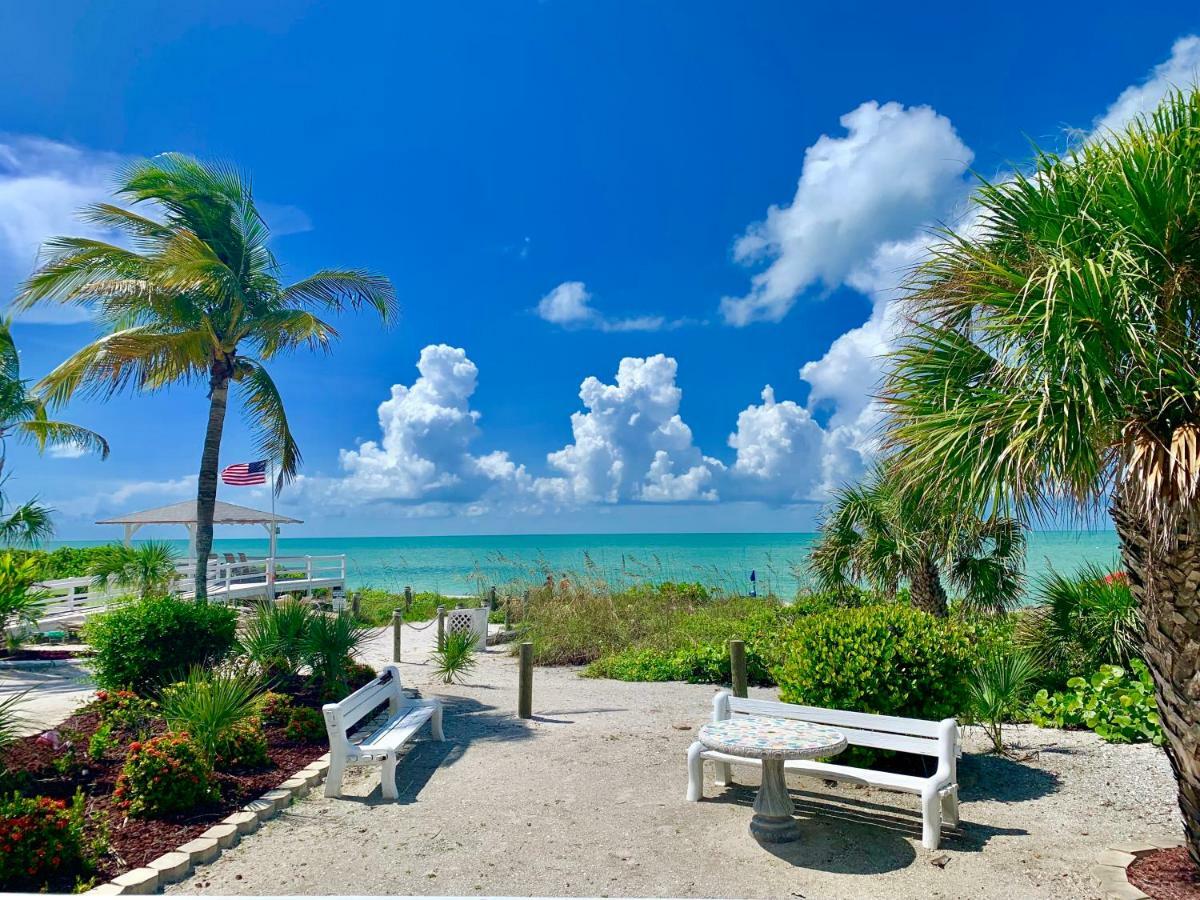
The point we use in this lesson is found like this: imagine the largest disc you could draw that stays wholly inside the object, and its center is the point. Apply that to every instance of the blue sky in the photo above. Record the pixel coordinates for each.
(561, 192)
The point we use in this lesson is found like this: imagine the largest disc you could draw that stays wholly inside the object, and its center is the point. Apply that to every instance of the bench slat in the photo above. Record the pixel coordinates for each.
(836, 717)
(356, 707)
(395, 733)
(909, 784)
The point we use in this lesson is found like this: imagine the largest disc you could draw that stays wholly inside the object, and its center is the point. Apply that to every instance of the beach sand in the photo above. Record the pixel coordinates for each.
(588, 799)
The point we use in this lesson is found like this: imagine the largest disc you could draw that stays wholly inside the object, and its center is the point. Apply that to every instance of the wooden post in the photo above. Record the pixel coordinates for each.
(356, 603)
(525, 682)
(737, 666)
(441, 639)
(407, 598)
(507, 613)
(397, 625)
(492, 598)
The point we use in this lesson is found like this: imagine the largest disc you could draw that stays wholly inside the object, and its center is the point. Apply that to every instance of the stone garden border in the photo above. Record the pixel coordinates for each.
(1111, 865)
(179, 863)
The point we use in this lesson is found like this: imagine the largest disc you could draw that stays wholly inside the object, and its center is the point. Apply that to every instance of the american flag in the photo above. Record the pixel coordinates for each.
(245, 473)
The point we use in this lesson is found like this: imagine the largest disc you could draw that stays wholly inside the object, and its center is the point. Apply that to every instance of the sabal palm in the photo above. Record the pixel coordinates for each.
(886, 534)
(1055, 358)
(23, 417)
(196, 298)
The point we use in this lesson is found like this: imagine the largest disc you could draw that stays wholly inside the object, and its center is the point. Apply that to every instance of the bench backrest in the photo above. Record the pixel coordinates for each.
(343, 716)
(937, 739)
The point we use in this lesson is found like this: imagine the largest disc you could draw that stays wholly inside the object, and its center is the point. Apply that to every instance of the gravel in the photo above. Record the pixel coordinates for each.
(588, 799)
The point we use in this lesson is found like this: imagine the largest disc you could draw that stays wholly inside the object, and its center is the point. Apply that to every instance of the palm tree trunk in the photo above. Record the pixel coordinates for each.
(1166, 583)
(206, 490)
(925, 589)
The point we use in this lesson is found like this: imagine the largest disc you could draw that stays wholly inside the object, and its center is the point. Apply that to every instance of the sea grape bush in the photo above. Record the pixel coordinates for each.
(166, 774)
(1115, 703)
(38, 837)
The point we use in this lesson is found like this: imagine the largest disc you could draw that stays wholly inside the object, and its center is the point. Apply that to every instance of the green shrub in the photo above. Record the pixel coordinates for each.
(275, 635)
(891, 660)
(1115, 703)
(243, 746)
(166, 774)
(358, 674)
(126, 711)
(101, 742)
(306, 724)
(62, 562)
(375, 606)
(18, 604)
(210, 706)
(39, 837)
(999, 686)
(273, 708)
(150, 642)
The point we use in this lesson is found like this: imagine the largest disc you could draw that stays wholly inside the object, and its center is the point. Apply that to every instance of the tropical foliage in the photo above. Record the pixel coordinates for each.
(210, 706)
(1054, 357)
(19, 605)
(455, 659)
(1116, 703)
(165, 774)
(195, 298)
(887, 534)
(145, 569)
(998, 691)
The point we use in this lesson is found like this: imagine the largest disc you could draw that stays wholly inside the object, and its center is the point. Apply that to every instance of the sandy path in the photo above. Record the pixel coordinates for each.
(587, 799)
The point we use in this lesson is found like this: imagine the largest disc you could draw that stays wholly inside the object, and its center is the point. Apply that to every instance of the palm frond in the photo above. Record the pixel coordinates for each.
(338, 288)
(268, 419)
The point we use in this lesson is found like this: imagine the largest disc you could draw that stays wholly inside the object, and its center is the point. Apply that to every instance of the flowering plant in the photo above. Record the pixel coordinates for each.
(38, 836)
(164, 775)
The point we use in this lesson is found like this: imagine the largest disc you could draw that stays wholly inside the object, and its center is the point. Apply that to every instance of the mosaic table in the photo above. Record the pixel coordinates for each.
(774, 741)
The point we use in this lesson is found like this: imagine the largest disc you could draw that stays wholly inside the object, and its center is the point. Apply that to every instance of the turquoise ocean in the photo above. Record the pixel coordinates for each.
(466, 565)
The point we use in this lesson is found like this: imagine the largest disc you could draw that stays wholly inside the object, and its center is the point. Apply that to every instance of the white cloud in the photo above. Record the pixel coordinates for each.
(43, 184)
(424, 453)
(1180, 71)
(66, 451)
(896, 169)
(118, 497)
(569, 305)
(779, 452)
(631, 444)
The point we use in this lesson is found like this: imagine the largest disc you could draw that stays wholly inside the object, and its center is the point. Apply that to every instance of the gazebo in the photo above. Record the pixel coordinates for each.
(184, 513)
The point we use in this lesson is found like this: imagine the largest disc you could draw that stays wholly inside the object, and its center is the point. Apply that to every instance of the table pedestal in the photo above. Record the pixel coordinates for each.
(773, 821)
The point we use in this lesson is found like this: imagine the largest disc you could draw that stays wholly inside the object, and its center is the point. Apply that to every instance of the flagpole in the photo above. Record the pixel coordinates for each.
(272, 548)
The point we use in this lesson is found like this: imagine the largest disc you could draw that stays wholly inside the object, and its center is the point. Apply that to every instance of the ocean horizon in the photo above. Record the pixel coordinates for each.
(469, 564)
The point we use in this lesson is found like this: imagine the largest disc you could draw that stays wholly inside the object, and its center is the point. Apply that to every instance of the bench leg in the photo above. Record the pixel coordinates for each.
(931, 819)
(722, 774)
(333, 780)
(435, 724)
(387, 778)
(695, 763)
(950, 807)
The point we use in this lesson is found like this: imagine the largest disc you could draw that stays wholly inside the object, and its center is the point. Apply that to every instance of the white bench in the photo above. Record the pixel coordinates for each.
(938, 792)
(382, 746)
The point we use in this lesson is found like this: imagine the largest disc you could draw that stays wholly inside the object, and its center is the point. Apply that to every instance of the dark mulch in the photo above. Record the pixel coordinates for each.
(37, 768)
(1166, 875)
(34, 653)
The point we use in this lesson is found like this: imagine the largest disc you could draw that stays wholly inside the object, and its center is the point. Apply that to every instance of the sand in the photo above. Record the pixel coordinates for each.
(588, 799)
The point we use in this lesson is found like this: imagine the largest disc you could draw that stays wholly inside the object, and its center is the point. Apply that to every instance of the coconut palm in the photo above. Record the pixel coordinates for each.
(23, 418)
(885, 534)
(1054, 361)
(146, 569)
(196, 298)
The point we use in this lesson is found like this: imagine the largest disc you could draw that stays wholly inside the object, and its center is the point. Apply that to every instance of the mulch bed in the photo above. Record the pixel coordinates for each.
(1165, 875)
(38, 769)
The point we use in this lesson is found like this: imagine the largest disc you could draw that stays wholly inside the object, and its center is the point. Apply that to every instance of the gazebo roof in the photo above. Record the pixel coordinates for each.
(184, 513)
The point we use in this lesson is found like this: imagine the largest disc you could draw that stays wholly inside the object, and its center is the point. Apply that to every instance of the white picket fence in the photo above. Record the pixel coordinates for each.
(73, 599)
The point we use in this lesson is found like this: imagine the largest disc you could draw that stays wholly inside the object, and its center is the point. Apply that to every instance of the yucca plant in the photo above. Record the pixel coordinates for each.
(146, 569)
(1053, 358)
(887, 534)
(1082, 621)
(275, 637)
(208, 705)
(329, 649)
(194, 297)
(456, 660)
(998, 690)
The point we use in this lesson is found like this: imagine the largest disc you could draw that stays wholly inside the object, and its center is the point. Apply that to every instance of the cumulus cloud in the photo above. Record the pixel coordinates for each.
(66, 451)
(1180, 71)
(779, 451)
(43, 184)
(631, 443)
(896, 169)
(427, 429)
(570, 305)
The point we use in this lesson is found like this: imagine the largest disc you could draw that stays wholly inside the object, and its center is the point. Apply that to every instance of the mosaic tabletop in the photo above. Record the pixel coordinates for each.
(767, 737)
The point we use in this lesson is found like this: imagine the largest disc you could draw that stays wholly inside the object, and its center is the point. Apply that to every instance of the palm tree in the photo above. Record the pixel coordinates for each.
(197, 289)
(146, 569)
(23, 417)
(886, 534)
(1054, 362)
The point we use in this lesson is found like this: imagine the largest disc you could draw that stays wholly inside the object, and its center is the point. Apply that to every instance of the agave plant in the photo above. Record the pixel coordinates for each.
(998, 690)
(275, 637)
(208, 705)
(456, 660)
(147, 569)
(329, 649)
